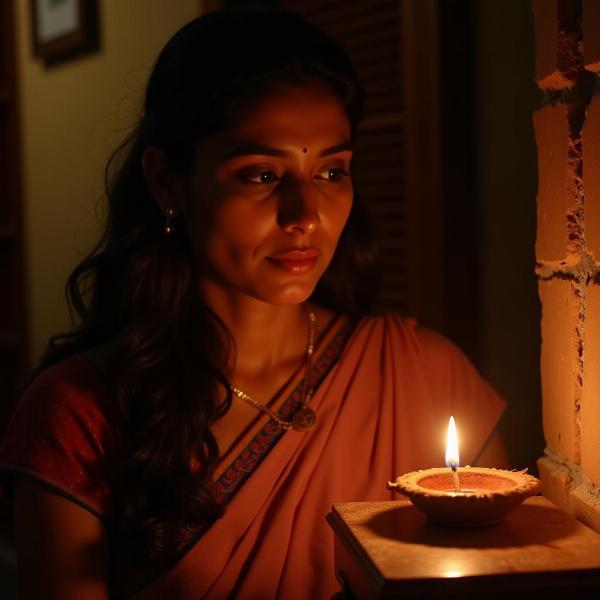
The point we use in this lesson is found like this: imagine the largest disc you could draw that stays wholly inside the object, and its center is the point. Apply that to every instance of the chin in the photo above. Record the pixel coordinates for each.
(292, 294)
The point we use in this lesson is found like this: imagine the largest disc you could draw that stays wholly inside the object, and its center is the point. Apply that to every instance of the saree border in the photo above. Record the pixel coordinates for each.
(232, 477)
(253, 452)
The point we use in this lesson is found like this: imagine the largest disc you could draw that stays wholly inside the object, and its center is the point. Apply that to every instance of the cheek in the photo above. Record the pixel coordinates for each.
(217, 221)
(238, 231)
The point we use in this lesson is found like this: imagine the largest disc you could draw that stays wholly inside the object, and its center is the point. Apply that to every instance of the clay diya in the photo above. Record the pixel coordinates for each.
(465, 496)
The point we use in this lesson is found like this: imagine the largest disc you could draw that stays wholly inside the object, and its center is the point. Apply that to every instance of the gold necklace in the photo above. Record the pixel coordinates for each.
(304, 418)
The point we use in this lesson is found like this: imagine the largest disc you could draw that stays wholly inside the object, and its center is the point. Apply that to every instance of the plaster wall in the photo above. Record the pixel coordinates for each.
(73, 115)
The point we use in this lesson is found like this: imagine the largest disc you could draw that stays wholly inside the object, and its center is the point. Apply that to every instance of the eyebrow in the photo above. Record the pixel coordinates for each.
(245, 149)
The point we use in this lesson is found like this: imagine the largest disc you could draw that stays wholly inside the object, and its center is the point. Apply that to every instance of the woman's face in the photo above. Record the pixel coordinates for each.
(268, 199)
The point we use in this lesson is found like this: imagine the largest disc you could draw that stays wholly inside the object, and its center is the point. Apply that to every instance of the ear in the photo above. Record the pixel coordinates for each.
(164, 186)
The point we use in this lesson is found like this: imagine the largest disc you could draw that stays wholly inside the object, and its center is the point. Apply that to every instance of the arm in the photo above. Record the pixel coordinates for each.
(61, 548)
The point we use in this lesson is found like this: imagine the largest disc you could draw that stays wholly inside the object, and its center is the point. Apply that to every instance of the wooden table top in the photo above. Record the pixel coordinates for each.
(397, 547)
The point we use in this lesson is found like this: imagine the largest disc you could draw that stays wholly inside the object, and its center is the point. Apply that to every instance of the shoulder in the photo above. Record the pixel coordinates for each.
(413, 347)
(74, 381)
(63, 434)
(402, 340)
(67, 400)
(76, 370)
(408, 334)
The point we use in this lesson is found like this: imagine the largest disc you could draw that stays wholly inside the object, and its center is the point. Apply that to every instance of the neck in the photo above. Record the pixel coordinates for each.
(267, 336)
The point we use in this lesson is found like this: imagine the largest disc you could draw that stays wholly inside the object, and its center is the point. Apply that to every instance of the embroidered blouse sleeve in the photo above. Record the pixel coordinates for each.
(61, 436)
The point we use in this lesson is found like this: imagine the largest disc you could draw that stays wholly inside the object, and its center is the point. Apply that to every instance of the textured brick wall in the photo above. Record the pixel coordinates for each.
(567, 127)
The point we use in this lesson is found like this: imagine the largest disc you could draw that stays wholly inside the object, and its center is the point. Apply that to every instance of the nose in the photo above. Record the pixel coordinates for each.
(299, 208)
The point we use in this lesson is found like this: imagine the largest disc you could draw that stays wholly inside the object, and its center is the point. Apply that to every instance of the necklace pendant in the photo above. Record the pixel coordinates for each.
(304, 419)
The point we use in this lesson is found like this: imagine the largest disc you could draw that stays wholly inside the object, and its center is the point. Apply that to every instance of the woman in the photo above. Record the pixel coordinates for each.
(224, 387)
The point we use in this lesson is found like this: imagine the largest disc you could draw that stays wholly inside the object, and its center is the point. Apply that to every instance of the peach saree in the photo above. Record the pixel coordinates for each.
(385, 389)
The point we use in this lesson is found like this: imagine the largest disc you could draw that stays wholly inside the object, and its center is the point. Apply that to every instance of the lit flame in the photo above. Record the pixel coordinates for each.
(452, 459)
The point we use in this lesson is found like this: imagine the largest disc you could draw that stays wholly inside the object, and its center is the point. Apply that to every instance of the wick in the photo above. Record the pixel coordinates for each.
(304, 150)
(455, 479)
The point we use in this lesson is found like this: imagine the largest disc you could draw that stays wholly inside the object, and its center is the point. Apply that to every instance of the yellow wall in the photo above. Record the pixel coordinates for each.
(72, 116)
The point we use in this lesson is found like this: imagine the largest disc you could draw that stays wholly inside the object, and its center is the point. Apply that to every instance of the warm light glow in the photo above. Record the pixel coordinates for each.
(452, 567)
(452, 459)
(452, 573)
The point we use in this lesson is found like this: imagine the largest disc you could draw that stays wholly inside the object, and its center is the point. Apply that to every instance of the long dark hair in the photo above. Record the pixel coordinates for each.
(136, 292)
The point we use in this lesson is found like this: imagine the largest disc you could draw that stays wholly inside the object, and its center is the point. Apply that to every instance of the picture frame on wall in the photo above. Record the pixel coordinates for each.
(63, 29)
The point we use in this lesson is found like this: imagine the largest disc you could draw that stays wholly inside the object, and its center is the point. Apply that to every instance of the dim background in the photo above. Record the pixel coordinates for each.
(445, 163)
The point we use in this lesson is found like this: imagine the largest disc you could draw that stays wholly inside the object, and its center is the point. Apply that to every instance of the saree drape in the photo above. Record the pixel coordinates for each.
(384, 390)
(388, 388)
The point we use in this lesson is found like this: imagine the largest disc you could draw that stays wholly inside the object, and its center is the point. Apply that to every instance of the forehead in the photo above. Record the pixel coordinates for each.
(288, 118)
(294, 113)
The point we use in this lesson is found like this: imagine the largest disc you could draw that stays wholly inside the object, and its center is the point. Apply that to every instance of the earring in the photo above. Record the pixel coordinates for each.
(170, 213)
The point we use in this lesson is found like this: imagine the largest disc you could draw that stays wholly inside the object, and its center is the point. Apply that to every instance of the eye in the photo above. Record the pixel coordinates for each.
(333, 174)
(260, 177)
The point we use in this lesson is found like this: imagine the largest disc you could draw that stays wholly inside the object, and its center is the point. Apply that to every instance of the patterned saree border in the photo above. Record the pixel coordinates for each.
(267, 437)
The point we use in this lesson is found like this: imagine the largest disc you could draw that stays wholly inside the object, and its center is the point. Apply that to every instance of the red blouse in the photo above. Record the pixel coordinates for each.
(62, 434)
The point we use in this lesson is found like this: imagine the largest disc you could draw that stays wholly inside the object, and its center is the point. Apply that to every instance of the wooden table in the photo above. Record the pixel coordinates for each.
(390, 550)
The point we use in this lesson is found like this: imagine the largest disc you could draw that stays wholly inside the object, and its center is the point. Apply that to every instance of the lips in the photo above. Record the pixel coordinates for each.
(296, 254)
(295, 260)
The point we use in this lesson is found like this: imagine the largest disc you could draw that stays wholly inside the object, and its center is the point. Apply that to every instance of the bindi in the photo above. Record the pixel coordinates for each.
(305, 150)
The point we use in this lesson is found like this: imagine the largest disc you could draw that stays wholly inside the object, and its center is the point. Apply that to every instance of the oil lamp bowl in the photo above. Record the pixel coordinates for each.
(485, 498)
